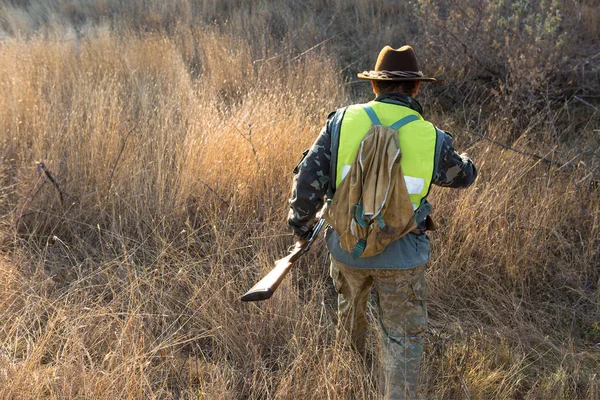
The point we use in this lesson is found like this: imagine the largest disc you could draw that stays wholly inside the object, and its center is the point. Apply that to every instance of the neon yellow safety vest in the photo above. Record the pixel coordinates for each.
(417, 143)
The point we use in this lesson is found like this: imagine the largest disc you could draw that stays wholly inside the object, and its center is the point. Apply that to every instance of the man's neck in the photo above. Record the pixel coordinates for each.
(401, 99)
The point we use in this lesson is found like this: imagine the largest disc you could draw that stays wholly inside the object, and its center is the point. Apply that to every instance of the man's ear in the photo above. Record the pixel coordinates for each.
(417, 88)
(374, 88)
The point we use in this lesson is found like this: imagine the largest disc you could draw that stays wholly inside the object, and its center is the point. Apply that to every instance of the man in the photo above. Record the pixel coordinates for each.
(397, 273)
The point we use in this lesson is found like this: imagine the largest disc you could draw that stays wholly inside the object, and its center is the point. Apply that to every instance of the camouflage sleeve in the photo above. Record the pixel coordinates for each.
(310, 183)
(452, 169)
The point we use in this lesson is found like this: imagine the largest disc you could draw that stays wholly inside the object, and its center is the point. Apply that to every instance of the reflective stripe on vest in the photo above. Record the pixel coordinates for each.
(417, 143)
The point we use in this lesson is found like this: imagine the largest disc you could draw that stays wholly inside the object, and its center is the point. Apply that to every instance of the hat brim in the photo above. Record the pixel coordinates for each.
(372, 76)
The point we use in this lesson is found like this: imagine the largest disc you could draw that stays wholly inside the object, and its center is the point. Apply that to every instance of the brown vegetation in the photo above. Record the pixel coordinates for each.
(146, 150)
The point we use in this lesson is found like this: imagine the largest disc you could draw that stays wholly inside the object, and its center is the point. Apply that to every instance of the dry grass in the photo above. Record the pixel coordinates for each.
(171, 133)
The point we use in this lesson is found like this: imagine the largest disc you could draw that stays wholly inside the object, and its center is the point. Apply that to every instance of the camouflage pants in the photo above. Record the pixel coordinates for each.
(401, 296)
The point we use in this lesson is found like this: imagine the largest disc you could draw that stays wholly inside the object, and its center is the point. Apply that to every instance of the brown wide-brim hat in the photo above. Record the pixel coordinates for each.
(396, 65)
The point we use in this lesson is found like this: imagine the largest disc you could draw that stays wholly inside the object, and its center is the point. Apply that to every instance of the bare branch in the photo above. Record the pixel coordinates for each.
(525, 153)
(586, 103)
(214, 192)
(112, 173)
(42, 166)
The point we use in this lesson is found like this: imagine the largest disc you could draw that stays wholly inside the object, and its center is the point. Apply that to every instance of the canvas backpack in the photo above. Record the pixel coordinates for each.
(371, 207)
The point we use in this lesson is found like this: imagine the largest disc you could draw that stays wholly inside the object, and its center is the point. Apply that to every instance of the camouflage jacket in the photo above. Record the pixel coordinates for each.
(311, 180)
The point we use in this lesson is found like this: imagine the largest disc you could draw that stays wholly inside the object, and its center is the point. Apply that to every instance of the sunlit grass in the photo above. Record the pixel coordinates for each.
(171, 142)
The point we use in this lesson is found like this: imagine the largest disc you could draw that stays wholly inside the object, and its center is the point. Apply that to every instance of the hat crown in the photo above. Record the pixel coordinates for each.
(402, 59)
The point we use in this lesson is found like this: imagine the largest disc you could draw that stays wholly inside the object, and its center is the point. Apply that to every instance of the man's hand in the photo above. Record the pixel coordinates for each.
(302, 237)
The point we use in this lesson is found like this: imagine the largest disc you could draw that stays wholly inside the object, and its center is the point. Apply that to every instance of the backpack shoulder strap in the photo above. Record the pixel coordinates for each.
(404, 121)
(372, 115)
(396, 125)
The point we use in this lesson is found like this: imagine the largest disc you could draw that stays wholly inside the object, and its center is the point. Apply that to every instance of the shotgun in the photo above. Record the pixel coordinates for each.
(265, 288)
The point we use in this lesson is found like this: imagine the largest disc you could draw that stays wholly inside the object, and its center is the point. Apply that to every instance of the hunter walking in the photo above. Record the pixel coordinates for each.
(397, 271)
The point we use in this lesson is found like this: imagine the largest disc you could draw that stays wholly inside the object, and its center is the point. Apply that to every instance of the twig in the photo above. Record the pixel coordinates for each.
(307, 51)
(525, 153)
(34, 192)
(587, 176)
(550, 117)
(248, 137)
(42, 166)
(472, 55)
(439, 344)
(574, 158)
(579, 15)
(214, 192)
(586, 103)
(112, 173)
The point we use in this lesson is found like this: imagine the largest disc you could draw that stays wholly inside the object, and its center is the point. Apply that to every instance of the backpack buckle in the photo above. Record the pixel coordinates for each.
(359, 248)
(359, 215)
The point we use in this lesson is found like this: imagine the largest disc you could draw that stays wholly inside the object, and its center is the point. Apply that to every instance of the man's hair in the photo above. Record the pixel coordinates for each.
(405, 87)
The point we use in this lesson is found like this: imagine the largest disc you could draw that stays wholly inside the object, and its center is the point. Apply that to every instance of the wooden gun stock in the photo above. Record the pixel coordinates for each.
(265, 288)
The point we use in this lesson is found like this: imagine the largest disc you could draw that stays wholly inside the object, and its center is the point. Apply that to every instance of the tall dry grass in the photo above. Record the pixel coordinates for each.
(170, 133)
